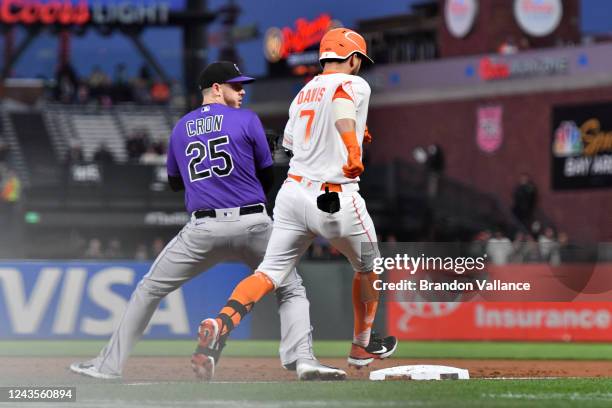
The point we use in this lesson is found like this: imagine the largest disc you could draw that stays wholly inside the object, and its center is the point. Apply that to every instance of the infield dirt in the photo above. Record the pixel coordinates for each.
(239, 369)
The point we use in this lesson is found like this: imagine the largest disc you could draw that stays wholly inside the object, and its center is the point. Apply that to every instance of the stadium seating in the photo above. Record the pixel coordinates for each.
(90, 126)
(157, 123)
(34, 141)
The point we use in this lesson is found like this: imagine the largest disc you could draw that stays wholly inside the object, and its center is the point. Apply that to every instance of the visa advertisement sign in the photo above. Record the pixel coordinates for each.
(81, 299)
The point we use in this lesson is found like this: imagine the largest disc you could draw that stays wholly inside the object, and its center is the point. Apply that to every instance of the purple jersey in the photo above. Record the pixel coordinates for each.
(216, 150)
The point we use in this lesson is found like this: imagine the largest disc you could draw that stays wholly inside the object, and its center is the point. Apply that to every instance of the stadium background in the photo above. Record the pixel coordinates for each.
(473, 142)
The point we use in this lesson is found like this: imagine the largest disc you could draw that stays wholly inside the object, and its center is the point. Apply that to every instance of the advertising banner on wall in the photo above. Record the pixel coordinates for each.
(80, 299)
(460, 16)
(538, 17)
(581, 146)
(545, 321)
(569, 302)
(489, 128)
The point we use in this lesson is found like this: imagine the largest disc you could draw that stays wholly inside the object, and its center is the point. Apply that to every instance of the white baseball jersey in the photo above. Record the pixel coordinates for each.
(318, 150)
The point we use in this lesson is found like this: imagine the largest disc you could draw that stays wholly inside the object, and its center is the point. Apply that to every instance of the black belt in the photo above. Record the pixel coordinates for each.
(249, 209)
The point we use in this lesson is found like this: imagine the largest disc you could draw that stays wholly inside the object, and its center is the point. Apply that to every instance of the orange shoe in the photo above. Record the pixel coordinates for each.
(208, 351)
(378, 348)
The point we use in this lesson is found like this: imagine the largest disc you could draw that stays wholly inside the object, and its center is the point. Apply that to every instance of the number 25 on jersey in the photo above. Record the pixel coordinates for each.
(198, 151)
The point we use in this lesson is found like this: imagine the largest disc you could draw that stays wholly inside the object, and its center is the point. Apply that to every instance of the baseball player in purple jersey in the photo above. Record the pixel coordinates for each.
(220, 156)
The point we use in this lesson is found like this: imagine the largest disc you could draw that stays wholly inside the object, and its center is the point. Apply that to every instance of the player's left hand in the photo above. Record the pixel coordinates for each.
(367, 136)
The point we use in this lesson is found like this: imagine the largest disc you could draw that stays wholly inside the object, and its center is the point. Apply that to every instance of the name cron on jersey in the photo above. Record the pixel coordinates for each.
(201, 126)
(312, 95)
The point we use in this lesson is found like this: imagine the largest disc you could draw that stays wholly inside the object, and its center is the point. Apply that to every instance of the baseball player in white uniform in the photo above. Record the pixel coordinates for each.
(325, 132)
(220, 156)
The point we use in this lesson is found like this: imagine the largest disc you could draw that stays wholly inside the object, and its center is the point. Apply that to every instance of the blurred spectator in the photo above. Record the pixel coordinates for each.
(151, 157)
(140, 91)
(106, 101)
(11, 187)
(525, 249)
(122, 91)
(565, 251)
(145, 74)
(114, 250)
(76, 243)
(121, 75)
(319, 248)
(435, 159)
(94, 249)
(525, 197)
(549, 247)
(157, 246)
(100, 88)
(136, 144)
(333, 252)
(4, 152)
(98, 83)
(75, 154)
(531, 252)
(82, 93)
(519, 246)
(499, 249)
(160, 93)
(67, 82)
(103, 155)
(141, 85)
(478, 246)
(391, 238)
(10, 193)
(141, 254)
(177, 94)
(159, 147)
(508, 47)
(432, 157)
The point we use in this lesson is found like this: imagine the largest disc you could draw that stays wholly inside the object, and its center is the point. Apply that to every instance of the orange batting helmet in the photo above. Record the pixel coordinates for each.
(341, 43)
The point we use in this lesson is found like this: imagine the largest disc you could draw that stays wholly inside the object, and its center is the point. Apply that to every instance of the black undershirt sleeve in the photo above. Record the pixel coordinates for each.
(176, 183)
(266, 178)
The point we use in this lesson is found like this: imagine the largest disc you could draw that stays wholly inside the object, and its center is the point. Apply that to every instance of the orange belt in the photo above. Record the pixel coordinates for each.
(337, 188)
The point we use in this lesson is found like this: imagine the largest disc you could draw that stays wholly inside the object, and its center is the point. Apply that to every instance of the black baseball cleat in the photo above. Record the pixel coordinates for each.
(378, 348)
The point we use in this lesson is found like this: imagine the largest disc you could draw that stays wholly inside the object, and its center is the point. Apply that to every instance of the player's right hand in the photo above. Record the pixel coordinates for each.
(367, 136)
(353, 167)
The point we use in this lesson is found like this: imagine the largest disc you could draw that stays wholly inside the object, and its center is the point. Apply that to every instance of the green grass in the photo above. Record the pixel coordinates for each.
(414, 349)
(473, 393)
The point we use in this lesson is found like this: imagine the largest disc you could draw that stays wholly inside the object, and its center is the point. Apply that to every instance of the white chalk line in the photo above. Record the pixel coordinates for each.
(144, 383)
(574, 396)
(109, 403)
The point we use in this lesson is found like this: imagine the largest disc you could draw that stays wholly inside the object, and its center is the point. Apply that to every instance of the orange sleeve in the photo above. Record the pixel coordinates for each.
(350, 141)
(341, 93)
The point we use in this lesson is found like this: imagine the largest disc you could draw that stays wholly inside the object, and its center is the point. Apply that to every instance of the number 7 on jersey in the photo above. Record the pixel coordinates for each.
(310, 113)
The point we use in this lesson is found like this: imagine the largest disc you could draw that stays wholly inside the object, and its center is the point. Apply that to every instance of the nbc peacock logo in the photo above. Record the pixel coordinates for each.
(568, 140)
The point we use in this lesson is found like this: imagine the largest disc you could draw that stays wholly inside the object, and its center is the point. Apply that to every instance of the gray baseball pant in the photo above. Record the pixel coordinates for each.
(201, 244)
